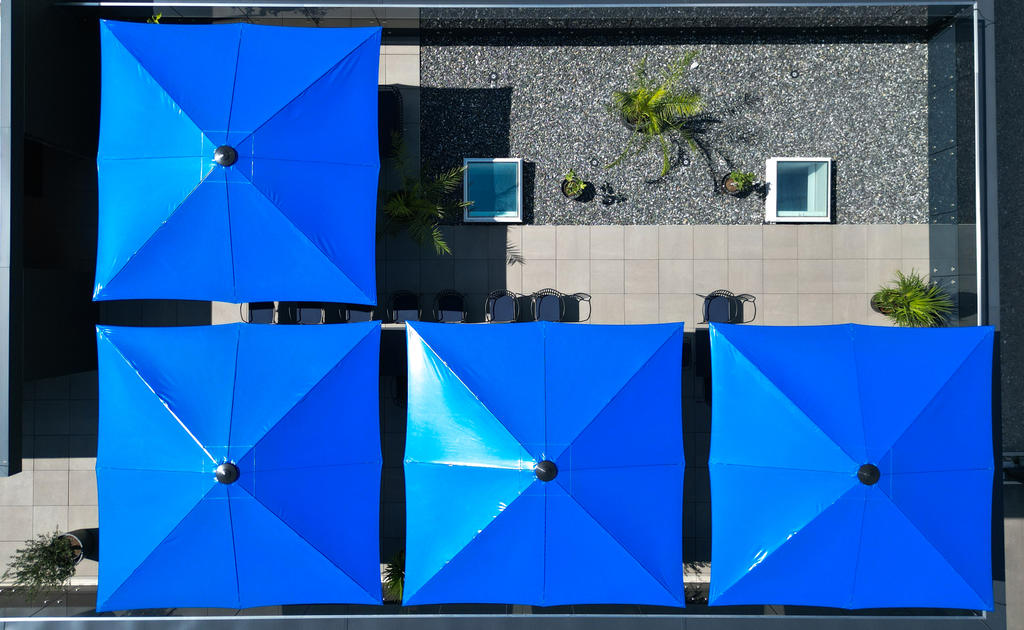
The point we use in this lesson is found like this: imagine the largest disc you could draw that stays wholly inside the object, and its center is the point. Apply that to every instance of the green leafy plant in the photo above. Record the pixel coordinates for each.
(154, 19)
(658, 109)
(743, 180)
(394, 577)
(912, 301)
(45, 563)
(420, 207)
(573, 186)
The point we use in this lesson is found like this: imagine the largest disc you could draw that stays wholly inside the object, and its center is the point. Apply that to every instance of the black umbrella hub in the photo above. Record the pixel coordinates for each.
(546, 470)
(225, 155)
(868, 474)
(227, 473)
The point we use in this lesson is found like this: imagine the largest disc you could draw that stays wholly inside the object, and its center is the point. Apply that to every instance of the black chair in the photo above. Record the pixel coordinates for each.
(346, 313)
(450, 307)
(300, 313)
(258, 313)
(501, 307)
(403, 306)
(725, 307)
(547, 305)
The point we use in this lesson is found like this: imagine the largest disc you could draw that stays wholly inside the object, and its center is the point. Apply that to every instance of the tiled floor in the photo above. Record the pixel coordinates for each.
(640, 274)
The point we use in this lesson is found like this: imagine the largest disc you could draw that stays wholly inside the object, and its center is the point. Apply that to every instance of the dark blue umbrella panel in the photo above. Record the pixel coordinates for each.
(851, 466)
(238, 466)
(237, 163)
(544, 464)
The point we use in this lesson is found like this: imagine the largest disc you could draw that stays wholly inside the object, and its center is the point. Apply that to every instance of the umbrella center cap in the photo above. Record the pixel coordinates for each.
(868, 474)
(225, 155)
(227, 473)
(546, 470)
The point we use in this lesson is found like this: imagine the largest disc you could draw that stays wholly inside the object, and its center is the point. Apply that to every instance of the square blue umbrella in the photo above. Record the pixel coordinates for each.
(238, 466)
(544, 464)
(237, 163)
(851, 466)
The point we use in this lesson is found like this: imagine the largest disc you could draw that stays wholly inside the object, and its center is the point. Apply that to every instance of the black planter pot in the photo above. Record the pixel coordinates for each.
(565, 183)
(86, 541)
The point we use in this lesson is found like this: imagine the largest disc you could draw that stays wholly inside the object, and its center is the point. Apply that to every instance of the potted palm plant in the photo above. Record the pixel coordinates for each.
(572, 186)
(739, 182)
(912, 301)
(47, 562)
(419, 207)
(657, 109)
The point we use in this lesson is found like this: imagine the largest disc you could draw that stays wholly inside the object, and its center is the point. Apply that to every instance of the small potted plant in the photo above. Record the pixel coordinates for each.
(394, 577)
(48, 562)
(739, 182)
(912, 301)
(572, 186)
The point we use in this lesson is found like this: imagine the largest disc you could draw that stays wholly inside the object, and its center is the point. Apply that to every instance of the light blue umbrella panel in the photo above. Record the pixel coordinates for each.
(237, 163)
(544, 464)
(238, 466)
(851, 466)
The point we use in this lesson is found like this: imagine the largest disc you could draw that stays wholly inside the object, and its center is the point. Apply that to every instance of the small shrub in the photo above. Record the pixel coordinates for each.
(744, 180)
(912, 301)
(574, 186)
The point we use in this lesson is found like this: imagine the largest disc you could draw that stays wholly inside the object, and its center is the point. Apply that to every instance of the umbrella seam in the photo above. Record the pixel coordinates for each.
(161, 542)
(231, 240)
(307, 88)
(234, 389)
(472, 393)
(629, 466)
(771, 467)
(328, 162)
(860, 548)
(234, 84)
(284, 415)
(311, 545)
(323, 467)
(544, 381)
(620, 543)
(310, 241)
(931, 400)
(617, 392)
(163, 224)
(747, 572)
(778, 388)
(455, 465)
(932, 545)
(234, 552)
(860, 392)
(163, 402)
(149, 72)
(469, 542)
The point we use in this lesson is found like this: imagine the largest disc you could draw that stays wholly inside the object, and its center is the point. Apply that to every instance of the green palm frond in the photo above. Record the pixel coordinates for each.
(912, 301)
(394, 577)
(656, 109)
(419, 208)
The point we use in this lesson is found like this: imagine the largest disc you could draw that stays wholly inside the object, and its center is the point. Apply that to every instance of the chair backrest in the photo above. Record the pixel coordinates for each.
(300, 313)
(405, 307)
(501, 306)
(260, 313)
(548, 306)
(354, 313)
(450, 307)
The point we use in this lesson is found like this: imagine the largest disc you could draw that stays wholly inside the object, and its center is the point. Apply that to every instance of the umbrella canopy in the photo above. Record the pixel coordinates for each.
(238, 465)
(851, 466)
(237, 163)
(544, 464)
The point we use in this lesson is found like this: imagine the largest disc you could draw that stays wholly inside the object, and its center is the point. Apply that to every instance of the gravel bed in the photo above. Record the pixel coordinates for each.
(859, 99)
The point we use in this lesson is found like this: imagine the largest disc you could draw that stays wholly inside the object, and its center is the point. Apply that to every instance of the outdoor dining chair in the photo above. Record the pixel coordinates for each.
(258, 313)
(403, 306)
(501, 306)
(300, 313)
(725, 307)
(547, 305)
(450, 307)
(347, 313)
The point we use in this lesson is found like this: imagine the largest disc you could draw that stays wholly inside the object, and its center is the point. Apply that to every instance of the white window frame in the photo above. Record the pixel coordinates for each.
(771, 181)
(518, 218)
